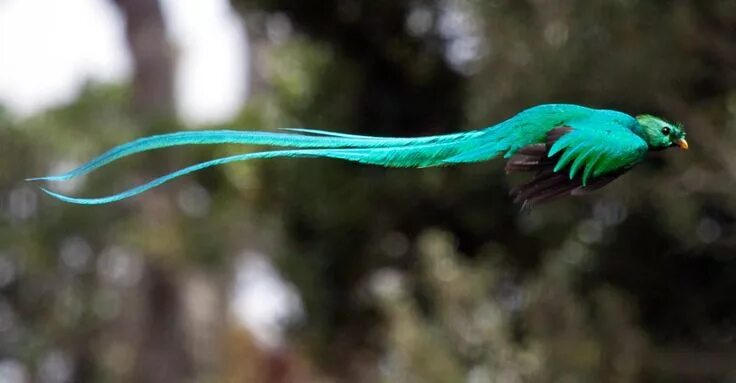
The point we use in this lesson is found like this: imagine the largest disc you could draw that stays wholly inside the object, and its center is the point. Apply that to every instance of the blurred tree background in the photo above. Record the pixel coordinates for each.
(407, 275)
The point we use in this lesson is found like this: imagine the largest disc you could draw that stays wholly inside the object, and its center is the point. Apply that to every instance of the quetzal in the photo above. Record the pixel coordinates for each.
(571, 149)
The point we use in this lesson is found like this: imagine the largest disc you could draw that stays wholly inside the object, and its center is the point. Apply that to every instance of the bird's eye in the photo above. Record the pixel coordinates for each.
(666, 131)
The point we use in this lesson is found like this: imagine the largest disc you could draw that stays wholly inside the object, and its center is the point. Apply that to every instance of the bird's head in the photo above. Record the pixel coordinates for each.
(660, 134)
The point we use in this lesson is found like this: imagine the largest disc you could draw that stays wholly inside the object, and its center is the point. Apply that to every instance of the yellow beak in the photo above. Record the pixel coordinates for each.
(681, 143)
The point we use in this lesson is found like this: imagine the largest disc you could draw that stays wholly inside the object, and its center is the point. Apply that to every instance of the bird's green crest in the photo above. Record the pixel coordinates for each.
(661, 134)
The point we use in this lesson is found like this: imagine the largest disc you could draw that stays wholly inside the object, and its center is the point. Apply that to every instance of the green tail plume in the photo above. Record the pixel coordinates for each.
(390, 152)
(506, 138)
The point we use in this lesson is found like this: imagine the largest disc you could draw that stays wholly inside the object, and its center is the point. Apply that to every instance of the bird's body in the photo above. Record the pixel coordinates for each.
(571, 149)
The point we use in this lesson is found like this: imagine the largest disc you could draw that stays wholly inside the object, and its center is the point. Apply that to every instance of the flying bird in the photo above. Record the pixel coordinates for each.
(570, 149)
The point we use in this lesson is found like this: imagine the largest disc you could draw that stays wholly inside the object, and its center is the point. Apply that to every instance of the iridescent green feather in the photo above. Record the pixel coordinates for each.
(603, 143)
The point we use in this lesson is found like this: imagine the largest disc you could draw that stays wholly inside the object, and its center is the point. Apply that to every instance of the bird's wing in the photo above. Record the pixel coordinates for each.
(597, 147)
(579, 157)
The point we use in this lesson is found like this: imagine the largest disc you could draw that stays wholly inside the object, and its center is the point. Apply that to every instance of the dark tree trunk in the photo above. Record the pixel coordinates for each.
(152, 57)
(162, 354)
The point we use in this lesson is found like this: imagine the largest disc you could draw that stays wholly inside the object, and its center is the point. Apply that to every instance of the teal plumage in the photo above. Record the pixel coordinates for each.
(593, 146)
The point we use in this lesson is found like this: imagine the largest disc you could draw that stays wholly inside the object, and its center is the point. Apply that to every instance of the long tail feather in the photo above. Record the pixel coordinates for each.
(190, 169)
(325, 140)
(386, 151)
(504, 138)
(331, 134)
(396, 157)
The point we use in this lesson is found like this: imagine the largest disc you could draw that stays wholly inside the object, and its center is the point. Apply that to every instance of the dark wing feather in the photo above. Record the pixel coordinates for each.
(528, 158)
